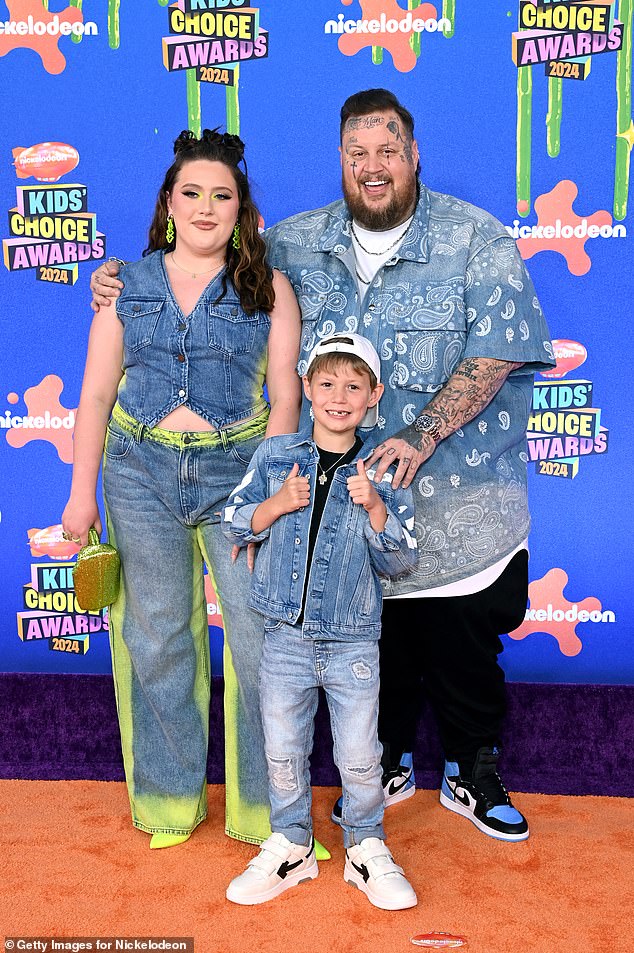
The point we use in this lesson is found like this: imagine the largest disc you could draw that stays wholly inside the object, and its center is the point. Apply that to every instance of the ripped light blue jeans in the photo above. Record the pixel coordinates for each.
(291, 671)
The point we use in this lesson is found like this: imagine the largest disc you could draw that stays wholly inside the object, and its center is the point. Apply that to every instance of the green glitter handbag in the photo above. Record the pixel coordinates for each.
(96, 573)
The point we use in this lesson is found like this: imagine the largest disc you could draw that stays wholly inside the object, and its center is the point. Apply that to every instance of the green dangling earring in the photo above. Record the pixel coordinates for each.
(170, 231)
(235, 238)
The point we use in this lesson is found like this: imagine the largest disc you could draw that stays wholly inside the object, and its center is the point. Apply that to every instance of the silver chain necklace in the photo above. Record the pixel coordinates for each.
(324, 473)
(385, 250)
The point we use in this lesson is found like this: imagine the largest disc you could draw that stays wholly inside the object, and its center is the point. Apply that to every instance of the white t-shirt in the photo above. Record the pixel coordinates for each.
(378, 247)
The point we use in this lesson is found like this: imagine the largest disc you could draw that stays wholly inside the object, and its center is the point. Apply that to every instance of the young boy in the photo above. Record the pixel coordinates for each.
(327, 532)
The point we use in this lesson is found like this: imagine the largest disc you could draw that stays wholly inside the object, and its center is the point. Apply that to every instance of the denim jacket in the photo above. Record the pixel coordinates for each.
(455, 288)
(343, 597)
(212, 360)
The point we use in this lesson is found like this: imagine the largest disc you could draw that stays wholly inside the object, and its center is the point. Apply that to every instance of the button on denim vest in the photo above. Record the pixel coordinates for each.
(212, 361)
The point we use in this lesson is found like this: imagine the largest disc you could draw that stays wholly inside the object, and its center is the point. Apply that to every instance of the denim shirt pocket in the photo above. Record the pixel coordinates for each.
(277, 472)
(140, 317)
(230, 329)
(424, 359)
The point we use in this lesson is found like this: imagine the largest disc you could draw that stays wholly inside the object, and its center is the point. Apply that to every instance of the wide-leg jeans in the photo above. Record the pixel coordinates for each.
(164, 492)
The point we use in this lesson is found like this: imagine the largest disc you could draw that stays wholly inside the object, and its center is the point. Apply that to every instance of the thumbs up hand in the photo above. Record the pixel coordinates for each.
(293, 494)
(363, 492)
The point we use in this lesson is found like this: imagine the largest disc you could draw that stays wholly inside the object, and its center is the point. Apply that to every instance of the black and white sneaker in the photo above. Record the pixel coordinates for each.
(371, 868)
(398, 784)
(483, 798)
(279, 865)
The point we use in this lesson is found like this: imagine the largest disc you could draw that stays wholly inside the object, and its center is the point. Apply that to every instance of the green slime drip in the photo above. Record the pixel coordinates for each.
(623, 112)
(45, 4)
(194, 119)
(524, 115)
(233, 105)
(415, 37)
(377, 55)
(449, 12)
(76, 3)
(113, 24)
(553, 117)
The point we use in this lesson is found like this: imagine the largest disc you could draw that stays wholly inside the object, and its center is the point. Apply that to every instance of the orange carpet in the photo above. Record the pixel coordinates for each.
(72, 865)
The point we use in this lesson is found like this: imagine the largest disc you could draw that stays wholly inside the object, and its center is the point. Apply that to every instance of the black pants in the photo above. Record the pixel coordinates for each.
(448, 648)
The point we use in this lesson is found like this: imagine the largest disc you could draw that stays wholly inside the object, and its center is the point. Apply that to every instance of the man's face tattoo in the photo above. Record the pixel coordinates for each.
(378, 170)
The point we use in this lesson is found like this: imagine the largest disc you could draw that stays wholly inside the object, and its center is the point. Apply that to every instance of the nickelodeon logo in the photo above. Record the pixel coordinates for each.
(561, 230)
(32, 26)
(573, 614)
(552, 613)
(46, 161)
(382, 24)
(52, 27)
(46, 418)
(385, 25)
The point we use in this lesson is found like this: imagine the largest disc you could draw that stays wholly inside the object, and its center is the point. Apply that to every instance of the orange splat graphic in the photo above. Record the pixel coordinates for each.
(43, 406)
(546, 595)
(45, 46)
(395, 43)
(557, 205)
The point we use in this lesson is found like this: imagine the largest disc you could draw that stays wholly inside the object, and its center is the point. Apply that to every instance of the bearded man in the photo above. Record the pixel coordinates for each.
(440, 290)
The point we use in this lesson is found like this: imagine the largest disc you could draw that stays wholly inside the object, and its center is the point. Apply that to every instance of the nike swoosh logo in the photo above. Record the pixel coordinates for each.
(394, 788)
(286, 868)
(459, 795)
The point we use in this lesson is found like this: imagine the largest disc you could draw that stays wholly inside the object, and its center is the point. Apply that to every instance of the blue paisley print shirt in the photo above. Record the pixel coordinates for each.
(456, 288)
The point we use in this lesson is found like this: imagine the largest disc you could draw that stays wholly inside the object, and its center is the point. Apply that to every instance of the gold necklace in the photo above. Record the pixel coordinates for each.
(196, 274)
(377, 253)
(324, 473)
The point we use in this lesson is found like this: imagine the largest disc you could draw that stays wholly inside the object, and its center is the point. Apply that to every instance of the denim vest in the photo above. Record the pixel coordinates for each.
(212, 361)
(456, 288)
(343, 597)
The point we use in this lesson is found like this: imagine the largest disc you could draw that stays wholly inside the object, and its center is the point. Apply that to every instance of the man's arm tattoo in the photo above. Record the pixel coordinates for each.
(470, 389)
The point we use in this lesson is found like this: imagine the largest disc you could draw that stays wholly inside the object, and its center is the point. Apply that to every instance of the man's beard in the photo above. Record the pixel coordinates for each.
(381, 219)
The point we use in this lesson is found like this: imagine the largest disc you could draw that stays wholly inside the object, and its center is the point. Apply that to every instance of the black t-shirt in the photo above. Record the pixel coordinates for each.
(327, 466)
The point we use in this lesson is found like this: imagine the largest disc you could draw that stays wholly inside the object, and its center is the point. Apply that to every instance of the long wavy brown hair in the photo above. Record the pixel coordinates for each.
(246, 267)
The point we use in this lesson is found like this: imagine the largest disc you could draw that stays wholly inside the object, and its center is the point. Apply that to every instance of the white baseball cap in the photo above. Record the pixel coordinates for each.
(349, 343)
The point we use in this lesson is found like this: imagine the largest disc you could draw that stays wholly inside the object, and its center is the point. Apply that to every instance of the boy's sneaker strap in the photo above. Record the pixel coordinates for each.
(279, 865)
(371, 867)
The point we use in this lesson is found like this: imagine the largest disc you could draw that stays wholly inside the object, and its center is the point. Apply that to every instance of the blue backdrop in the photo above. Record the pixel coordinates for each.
(90, 112)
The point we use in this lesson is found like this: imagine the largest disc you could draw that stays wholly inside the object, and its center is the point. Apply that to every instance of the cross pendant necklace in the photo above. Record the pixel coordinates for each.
(323, 478)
